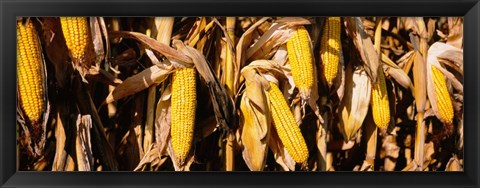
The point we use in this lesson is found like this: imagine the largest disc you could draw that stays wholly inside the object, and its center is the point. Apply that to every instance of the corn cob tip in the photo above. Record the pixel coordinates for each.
(304, 93)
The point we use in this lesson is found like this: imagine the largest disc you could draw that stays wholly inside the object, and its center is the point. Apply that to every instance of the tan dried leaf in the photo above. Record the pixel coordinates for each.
(163, 121)
(96, 33)
(454, 164)
(83, 146)
(255, 121)
(245, 41)
(156, 46)
(455, 31)
(354, 105)
(266, 45)
(139, 82)
(396, 73)
(282, 157)
(365, 47)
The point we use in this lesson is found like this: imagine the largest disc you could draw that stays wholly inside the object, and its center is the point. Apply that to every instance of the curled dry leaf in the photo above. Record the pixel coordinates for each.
(102, 76)
(163, 121)
(83, 146)
(364, 46)
(255, 121)
(455, 31)
(97, 40)
(265, 46)
(293, 21)
(139, 82)
(280, 153)
(152, 157)
(153, 44)
(245, 41)
(454, 164)
(354, 105)
(397, 73)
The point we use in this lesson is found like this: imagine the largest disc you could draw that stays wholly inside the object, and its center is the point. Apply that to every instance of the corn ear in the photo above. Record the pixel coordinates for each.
(77, 36)
(30, 71)
(444, 102)
(330, 49)
(286, 126)
(184, 98)
(300, 58)
(379, 101)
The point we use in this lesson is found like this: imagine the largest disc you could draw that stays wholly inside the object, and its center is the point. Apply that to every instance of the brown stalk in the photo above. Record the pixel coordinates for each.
(229, 81)
(419, 74)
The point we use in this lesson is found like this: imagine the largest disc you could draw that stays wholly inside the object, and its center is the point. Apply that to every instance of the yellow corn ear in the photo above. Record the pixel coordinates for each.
(330, 49)
(184, 101)
(379, 101)
(30, 73)
(286, 126)
(444, 102)
(300, 58)
(77, 36)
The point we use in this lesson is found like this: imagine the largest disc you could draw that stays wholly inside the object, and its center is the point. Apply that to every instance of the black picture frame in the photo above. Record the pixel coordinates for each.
(10, 9)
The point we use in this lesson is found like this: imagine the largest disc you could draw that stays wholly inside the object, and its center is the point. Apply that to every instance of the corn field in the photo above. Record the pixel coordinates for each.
(240, 94)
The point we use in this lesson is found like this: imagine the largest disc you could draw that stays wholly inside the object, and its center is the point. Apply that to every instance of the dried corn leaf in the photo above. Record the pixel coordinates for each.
(454, 164)
(265, 46)
(102, 76)
(406, 61)
(83, 146)
(60, 142)
(280, 153)
(255, 121)
(245, 41)
(265, 68)
(397, 73)
(86, 106)
(96, 33)
(364, 46)
(139, 82)
(281, 56)
(163, 121)
(455, 31)
(104, 30)
(293, 21)
(153, 44)
(354, 105)
(152, 157)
